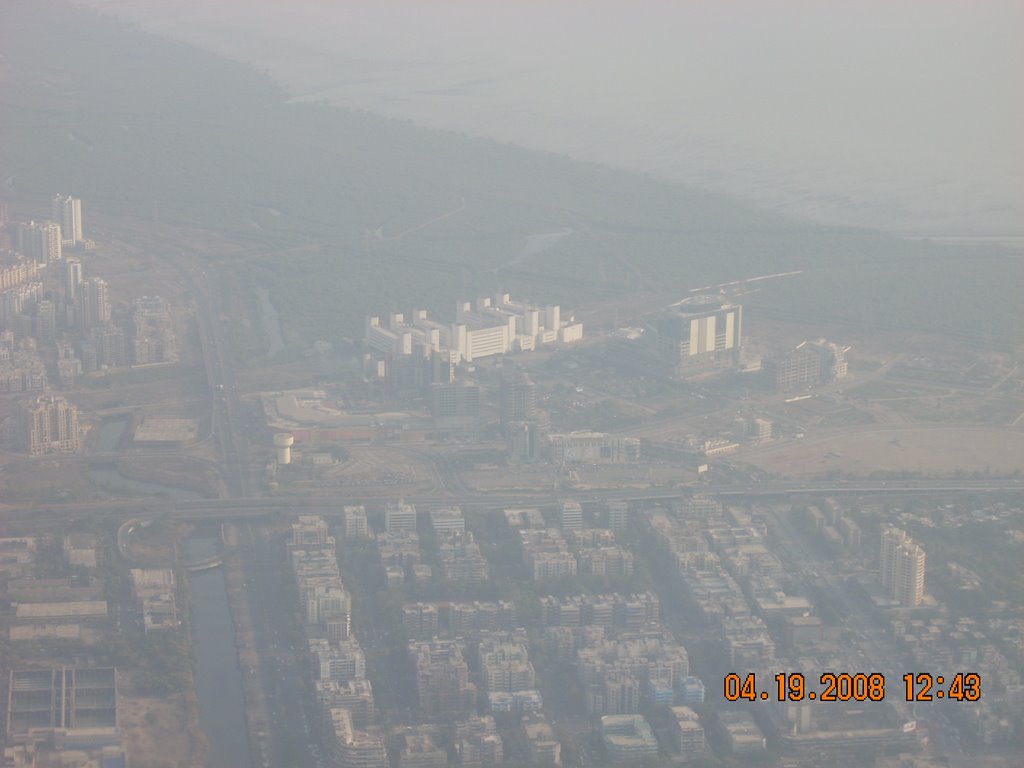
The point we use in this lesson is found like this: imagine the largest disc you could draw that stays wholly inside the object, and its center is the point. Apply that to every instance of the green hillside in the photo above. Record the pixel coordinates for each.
(402, 216)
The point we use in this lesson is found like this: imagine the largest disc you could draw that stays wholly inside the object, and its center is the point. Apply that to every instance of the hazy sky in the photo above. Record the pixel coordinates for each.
(903, 115)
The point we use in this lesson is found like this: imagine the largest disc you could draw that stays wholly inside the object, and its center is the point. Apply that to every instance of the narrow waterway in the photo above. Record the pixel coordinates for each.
(271, 322)
(110, 478)
(109, 435)
(218, 678)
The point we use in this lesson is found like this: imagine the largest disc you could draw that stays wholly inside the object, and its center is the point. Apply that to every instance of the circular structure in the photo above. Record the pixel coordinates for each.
(702, 302)
(283, 443)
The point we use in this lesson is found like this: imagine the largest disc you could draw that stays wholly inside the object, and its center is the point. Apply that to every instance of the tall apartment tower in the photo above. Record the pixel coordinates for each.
(902, 567)
(46, 320)
(108, 340)
(72, 278)
(47, 424)
(570, 515)
(518, 399)
(67, 211)
(355, 526)
(618, 515)
(40, 241)
(95, 303)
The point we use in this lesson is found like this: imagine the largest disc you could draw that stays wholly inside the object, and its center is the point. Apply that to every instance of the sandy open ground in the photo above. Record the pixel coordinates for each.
(163, 742)
(862, 450)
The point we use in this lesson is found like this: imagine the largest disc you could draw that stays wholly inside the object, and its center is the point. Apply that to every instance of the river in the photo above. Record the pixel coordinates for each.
(271, 321)
(218, 677)
(109, 436)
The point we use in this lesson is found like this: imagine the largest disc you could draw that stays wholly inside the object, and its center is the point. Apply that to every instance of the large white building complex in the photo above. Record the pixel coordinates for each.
(490, 326)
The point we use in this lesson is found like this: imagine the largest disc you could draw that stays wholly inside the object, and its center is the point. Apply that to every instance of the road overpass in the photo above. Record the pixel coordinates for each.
(259, 506)
(252, 508)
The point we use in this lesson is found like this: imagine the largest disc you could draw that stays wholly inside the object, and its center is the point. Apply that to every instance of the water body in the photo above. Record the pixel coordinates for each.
(108, 440)
(904, 116)
(218, 678)
(271, 321)
(109, 435)
(109, 477)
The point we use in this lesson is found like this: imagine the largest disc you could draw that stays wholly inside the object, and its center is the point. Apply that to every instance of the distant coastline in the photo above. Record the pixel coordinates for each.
(874, 145)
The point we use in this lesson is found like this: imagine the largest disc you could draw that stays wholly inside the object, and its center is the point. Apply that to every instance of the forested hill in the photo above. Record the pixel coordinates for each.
(398, 215)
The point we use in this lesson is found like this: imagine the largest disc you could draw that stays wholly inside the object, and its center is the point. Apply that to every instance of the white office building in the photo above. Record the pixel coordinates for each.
(67, 211)
(447, 521)
(400, 517)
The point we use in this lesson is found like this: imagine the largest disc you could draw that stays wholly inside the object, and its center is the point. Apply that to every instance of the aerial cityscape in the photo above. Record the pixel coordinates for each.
(332, 441)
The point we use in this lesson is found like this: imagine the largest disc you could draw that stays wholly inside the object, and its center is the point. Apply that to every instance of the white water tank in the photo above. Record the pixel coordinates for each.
(283, 442)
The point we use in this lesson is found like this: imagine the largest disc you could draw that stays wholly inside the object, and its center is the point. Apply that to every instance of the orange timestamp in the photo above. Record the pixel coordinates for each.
(841, 686)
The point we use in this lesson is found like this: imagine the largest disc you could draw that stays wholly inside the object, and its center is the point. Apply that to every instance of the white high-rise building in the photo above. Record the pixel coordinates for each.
(72, 278)
(902, 564)
(570, 516)
(67, 211)
(95, 303)
(908, 586)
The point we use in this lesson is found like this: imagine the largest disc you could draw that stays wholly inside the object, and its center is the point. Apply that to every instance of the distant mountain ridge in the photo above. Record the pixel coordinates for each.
(401, 216)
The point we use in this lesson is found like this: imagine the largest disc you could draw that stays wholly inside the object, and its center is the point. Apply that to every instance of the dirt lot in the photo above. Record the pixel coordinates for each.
(928, 449)
(156, 732)
(157, 544)
(42, 480)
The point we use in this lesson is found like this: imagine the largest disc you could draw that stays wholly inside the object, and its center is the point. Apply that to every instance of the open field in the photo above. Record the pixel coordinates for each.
(156, 731)
(927, 449)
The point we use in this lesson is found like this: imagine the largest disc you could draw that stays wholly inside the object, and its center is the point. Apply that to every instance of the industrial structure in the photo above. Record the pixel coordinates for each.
(283, 442)
(72, 708)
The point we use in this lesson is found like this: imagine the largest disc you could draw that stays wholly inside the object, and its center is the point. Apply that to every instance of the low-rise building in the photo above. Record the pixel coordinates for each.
(349, 747)
(687, 740)
(740, 733)
(628, 739)
(477, 743)
(542, 746)
(593, 448)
